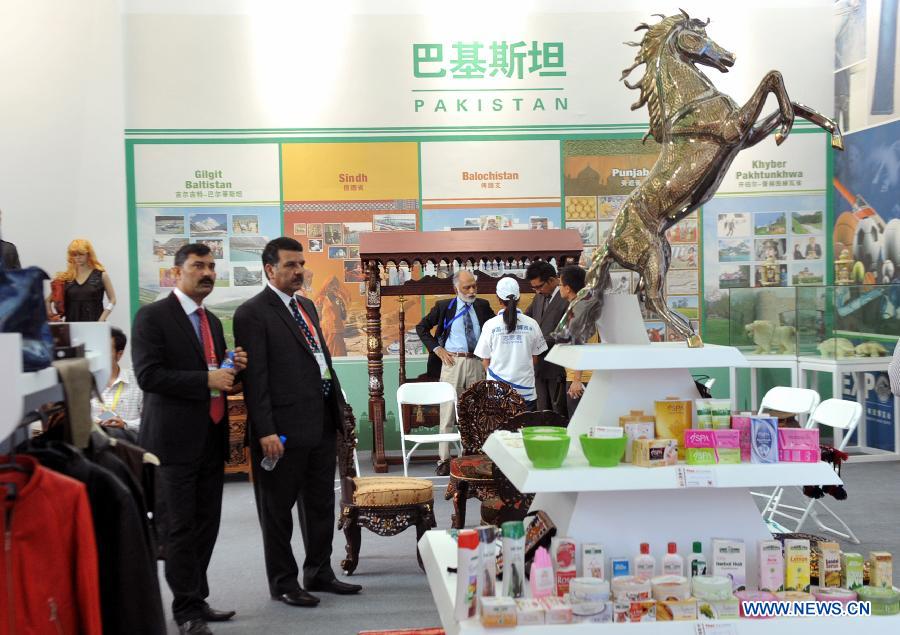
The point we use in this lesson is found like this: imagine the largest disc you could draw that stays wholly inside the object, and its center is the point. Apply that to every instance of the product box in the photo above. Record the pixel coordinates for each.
(763, 440)
(829, 564)
(592, 560)
(696, 438)
(882, 569)
(798, 445)
(852, 568)
(620, 567)
(771, 566)
(556, 611)
(655, 452)
(673, 417)
(756, 596)
(720, 413)
(637, 611)
(592, 612)
(564, 568)
(730, 561)
(700, 456)
(741, 423)
(497, 611)
(719, 609)
(728, 446)
(529, 612)
(676, 610)
(636, 425)
(796, 564)
(703, 419)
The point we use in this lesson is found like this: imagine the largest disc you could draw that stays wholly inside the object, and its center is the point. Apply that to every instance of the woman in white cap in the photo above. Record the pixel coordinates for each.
(510, 343)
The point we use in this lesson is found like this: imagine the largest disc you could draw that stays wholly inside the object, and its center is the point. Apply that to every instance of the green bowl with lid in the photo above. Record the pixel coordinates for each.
(546, 451)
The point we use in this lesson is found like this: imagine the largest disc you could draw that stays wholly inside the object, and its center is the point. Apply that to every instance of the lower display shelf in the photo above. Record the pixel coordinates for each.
(438, 551)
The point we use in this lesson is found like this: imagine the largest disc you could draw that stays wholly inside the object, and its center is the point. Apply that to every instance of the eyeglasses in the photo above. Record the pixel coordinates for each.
(540, 286)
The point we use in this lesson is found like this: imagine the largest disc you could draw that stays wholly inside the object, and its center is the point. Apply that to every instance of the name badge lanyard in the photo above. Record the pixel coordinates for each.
(116, 396)
(461, 313)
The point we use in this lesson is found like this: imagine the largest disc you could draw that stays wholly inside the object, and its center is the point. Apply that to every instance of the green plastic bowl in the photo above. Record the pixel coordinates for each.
(559, 431)
(546, 451)
(603, 452)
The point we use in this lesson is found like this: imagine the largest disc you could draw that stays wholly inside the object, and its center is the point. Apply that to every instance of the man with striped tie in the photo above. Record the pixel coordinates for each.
(294, 410)
(177, 348)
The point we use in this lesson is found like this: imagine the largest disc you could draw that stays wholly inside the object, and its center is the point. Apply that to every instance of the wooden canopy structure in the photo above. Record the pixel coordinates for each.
(485, 253)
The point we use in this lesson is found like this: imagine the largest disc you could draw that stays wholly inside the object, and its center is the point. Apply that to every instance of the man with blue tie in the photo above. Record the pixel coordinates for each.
(294, 409)
(458, 321)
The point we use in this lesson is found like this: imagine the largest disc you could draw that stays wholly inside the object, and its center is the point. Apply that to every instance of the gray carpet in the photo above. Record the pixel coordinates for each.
(396, 594)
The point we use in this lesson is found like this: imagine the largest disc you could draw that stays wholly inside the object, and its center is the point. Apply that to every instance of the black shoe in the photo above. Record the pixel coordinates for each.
(194, 627)
(297, 598)
(212, 615)
(334, 586)
(443, 468)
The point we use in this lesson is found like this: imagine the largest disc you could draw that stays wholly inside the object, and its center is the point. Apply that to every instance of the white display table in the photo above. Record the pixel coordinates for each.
(624, 506)
(858, 366)
(438, 551)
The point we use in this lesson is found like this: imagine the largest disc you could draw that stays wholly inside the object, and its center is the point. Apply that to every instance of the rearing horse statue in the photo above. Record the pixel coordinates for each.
(701, 131)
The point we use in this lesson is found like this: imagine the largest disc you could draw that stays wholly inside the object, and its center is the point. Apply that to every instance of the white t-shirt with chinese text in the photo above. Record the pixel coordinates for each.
(511, 353)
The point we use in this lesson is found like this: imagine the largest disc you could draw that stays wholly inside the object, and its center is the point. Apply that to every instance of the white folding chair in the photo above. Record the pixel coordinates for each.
(800, 402)
(424, 394)
(834, 413)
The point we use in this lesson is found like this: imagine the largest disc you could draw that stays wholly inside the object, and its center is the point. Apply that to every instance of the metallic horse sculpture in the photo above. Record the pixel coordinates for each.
(701, 131)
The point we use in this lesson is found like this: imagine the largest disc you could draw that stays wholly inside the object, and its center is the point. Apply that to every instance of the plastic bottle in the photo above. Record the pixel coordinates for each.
(467, 559)
(513, 533)
(644, 563)
(673, 563)
(228, 362)
(541, 579)
(269, 464)
(698, 560)
(487, 566)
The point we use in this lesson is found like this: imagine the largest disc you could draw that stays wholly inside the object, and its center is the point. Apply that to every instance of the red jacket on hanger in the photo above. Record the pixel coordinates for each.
(48, 560)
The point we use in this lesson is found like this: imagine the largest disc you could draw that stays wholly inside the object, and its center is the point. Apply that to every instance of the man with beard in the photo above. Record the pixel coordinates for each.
(452, 347)
(177, 348)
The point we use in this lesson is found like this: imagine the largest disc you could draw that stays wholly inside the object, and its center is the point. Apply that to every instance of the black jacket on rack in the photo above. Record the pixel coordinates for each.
(130, 600)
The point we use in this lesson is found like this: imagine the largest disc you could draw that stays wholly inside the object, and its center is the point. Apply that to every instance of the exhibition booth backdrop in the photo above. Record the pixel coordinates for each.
(246, 120)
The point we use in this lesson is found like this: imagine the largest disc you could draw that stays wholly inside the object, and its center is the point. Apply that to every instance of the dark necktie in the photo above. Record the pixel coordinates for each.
(304, 328)
(216, 404)
(470, 330)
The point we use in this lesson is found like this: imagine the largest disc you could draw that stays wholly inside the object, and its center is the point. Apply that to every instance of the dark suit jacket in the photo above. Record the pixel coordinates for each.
(9, 256)
(171, 370)
(548, 315)
(282, 382)
(440, 313)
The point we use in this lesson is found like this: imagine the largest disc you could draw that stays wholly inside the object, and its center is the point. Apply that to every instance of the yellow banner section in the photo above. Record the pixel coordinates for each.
(350, 171)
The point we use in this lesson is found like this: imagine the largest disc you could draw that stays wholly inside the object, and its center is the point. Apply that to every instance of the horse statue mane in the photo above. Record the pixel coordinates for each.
(700, 131)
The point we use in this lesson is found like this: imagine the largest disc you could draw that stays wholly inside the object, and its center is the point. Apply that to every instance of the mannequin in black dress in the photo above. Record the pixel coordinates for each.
(81, 287)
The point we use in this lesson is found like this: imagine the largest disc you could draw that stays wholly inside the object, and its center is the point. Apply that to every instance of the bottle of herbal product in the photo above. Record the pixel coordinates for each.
(673, 562)
(644, 563)
(513, 533)
(468, 559)
(698, 560)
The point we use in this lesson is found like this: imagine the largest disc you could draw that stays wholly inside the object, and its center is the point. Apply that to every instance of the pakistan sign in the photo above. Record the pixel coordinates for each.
(486, 73)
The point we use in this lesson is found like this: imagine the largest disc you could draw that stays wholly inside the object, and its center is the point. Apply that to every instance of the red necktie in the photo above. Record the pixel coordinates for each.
(216, 404)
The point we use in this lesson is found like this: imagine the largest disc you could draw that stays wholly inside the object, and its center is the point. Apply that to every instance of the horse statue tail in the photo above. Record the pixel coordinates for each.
(579, 323)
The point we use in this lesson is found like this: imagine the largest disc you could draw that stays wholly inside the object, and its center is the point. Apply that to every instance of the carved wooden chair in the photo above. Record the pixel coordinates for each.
(386, 505)
(509, 503)
(482, 409)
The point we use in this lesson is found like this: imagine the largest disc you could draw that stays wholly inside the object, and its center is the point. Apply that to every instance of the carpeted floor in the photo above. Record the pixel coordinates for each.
(395, 592)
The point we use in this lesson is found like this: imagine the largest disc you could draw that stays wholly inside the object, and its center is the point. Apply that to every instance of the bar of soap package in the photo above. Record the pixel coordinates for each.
(763, 439)
(497, 611)
(673, 417)
(741, 423)
(798, 445)
(655, 452)
(634, 611)
(636, 425)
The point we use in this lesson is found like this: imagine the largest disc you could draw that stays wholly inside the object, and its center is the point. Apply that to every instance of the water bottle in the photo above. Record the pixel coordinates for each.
(269, 464)
(228, 362)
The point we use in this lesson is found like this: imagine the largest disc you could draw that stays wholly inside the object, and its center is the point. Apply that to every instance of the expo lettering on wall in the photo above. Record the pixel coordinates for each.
(497, 76)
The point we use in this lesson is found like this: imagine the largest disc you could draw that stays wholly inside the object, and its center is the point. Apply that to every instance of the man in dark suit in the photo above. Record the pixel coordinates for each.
(294, 410)
(458, 321)
(547, 309)
(9, 255)
(177, 348)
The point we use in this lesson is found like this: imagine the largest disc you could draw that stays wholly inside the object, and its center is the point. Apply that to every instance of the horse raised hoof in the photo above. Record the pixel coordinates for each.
(694, 341)
(837, 140)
